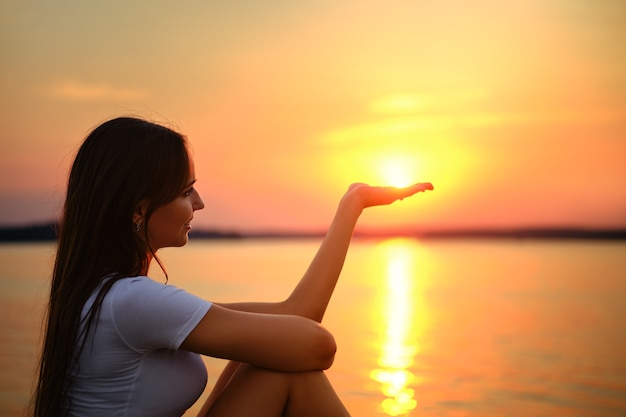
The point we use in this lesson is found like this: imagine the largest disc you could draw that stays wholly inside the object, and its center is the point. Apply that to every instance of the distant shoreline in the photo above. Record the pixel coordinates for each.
(46, 232)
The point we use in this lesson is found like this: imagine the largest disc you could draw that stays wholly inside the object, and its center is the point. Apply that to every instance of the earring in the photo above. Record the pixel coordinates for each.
(138, 226)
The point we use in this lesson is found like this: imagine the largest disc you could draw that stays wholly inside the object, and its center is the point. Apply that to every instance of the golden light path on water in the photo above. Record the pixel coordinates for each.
(400, 327)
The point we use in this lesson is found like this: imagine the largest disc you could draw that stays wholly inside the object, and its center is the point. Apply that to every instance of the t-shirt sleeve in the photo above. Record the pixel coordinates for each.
(149, 315)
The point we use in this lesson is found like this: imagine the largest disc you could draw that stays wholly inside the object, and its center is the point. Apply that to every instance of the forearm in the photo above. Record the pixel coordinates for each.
(312, 294)
(258, 307)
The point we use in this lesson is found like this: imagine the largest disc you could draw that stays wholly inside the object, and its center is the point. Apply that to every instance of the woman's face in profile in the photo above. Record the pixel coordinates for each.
(170, 224)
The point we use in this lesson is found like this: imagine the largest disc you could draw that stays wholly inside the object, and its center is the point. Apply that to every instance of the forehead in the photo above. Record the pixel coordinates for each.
(192, 169)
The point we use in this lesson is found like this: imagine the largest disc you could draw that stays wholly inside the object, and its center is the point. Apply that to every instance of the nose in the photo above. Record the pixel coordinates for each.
(197, 203)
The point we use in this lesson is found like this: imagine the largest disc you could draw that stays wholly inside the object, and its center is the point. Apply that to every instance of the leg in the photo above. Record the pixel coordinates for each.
(258, 392)
(312, 395)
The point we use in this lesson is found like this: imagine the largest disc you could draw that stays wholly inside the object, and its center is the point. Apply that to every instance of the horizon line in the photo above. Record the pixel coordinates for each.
(48, 232)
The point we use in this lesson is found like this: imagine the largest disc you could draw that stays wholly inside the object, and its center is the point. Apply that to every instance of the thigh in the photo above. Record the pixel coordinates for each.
(252, 391)
(258, 392)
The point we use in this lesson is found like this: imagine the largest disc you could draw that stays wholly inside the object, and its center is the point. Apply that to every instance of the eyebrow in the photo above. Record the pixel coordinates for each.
(190, 183)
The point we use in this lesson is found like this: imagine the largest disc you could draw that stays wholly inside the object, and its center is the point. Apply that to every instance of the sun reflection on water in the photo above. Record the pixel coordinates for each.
(399, 345)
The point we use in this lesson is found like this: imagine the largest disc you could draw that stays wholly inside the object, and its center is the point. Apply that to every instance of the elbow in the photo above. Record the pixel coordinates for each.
(326, 348)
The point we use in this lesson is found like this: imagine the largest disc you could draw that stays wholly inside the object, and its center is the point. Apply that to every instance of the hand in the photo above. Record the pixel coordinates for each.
(369, 196)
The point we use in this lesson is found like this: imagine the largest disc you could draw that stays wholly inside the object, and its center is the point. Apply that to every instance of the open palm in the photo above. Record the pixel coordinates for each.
(379, 196)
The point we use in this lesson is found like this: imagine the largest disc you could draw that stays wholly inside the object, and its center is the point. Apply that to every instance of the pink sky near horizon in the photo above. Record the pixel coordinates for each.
(515, 111)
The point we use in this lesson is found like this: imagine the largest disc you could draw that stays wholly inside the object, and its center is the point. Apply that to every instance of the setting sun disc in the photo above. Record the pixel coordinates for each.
(397, 172)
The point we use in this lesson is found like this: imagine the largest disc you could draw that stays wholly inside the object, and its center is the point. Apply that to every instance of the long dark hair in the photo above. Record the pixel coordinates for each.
(121, 163)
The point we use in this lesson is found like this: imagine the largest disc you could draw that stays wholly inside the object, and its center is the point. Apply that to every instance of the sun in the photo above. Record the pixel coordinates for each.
(398, 171)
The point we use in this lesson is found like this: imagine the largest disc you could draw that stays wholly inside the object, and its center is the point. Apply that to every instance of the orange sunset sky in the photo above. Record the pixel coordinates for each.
(514, 110)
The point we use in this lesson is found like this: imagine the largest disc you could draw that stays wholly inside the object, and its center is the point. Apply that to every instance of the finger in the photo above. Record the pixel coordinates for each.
(416, 188)
(422, 186)
(413, 189)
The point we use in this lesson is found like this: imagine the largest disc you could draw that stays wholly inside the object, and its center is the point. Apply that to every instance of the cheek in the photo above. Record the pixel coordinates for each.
(178, 214)
(167, 218)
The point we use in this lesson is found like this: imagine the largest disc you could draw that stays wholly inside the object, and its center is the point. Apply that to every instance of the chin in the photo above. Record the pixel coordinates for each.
(178, 243)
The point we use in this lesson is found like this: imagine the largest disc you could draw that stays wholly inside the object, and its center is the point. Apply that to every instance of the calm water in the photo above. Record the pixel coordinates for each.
(433, 328)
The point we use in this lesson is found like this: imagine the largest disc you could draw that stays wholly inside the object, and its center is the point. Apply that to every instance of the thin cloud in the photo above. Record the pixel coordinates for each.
(405, 103)
(406, 128)
(76, 91)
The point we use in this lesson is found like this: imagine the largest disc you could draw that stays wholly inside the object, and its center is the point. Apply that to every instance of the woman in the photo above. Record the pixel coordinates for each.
(120, 344)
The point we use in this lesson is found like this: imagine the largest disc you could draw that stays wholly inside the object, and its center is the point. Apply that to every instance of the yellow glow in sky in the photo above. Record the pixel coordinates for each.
(509, 108)
(398, 171)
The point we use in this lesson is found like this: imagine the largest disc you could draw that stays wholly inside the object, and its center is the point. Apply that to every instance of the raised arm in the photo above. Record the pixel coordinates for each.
(312, 294)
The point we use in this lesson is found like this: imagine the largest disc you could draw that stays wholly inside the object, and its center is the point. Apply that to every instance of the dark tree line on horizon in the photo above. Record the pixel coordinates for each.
(48, 232)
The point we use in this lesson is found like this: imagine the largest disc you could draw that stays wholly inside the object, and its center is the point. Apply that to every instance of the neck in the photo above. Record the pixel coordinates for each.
(146, 265)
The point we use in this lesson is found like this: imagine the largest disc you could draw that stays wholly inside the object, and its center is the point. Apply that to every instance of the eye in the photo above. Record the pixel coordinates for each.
(189, 192)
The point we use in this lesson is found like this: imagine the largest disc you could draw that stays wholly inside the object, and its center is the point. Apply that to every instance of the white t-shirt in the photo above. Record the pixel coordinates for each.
(131, 365)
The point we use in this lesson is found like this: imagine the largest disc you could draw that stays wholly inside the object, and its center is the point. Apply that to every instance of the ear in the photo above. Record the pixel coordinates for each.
(140, 211)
